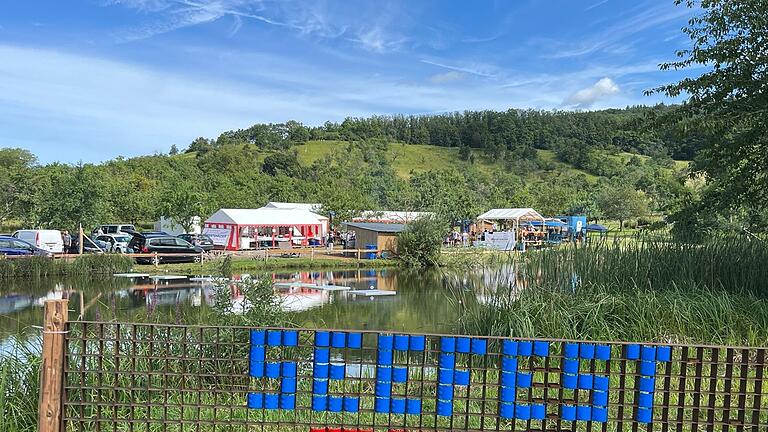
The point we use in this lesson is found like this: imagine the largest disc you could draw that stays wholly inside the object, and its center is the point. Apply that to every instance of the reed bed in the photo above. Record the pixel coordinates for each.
(86, 265)
(649, 290)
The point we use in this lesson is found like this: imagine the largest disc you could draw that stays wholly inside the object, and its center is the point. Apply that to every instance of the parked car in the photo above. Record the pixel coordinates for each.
(90, 245)
(12, 246)
(117, 243)
(164, 245)
(202, 240)
(49, 240)
(113, 229)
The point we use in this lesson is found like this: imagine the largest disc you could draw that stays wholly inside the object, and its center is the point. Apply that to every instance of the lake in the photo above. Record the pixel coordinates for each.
(425, 300)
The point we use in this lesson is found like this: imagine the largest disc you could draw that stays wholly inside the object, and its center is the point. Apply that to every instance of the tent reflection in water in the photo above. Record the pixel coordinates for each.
(235, 229)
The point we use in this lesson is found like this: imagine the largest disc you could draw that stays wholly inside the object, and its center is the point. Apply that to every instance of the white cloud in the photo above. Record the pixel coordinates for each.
(446, 77)
(587, 97)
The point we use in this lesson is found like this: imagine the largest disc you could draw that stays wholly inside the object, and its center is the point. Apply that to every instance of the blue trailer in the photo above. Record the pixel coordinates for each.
(577, 226)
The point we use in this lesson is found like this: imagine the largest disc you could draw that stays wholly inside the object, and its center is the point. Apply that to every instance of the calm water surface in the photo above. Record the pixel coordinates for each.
(427, 301)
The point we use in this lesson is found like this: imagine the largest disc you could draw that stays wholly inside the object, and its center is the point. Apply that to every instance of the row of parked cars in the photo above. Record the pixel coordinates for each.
(114, 238)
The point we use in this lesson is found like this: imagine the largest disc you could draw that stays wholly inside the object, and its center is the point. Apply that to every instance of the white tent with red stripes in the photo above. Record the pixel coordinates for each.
(233, 228)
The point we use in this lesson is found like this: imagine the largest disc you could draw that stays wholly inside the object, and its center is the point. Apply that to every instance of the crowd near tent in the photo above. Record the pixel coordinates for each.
(511, 217)
(235, 229)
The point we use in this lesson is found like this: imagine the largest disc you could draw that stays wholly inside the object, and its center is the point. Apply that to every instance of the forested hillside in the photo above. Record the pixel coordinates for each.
(609, 164)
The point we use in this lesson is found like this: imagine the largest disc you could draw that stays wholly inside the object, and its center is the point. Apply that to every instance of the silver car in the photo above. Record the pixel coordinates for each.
(116, 243)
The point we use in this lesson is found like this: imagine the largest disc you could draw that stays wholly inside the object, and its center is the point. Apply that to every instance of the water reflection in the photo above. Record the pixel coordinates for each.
(427, 301)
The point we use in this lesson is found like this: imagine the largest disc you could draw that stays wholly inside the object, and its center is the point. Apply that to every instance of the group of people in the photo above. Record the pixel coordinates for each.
(345, 239)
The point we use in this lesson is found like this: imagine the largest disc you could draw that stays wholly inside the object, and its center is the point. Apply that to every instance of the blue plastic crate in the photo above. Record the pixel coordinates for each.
(272, 370)
(586, 381)
(447, 361)
(525, 348)
(413, 406)
(509, 364)
(601, 382)
(524, 380)
(288, 385)
(600, 414)
(397, 406)
(355, 340)
(461, 377)
(509, 348)
(319, 403)
(568, 412)
(337, 371)
(508, 379)
(256, 369)
(632, 352)
(664, 353)
(257, 353)
(381, 405)
(274, 337)
(644, 415)
(522, 412)
(320, 387)
(645, 400)
(417, 343)
(335, 403)
(648, 353)
(258, 337)
(570, 381)
(541, 348)
(290, 338)
(386, 342)
(399, 374)
(479, 346)
(647, 368)
(603, 352)
(447, 344)
(289, 369)
(288, 401)
(322, 355)
(401, 342)
(351, 404)
(600, 398)
(647, 384)
(444, 408)
(322, 339)
(271, 401)
(384, 357)
(384, 373)
(571, 350)
(444, 392)
(584, 412)
(571, 366)
(383, 390)
(321, 370)
(507, 394)
(507, 410)
(255, 400)
(445, 376)
(338, 340)
(538, 411)
(587, 351)
(463, 345)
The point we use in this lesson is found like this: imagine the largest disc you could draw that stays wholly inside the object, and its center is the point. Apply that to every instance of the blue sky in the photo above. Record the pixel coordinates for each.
(88, 80)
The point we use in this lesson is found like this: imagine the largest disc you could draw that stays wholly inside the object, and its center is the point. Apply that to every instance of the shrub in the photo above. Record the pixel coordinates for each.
(419, 245)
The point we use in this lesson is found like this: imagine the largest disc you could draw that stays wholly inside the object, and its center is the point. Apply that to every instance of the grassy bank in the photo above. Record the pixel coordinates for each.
(86, 265)
(244, 265)
(646, 290)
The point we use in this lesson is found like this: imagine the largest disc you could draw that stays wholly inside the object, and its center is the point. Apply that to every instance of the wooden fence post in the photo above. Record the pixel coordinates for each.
(52, 367)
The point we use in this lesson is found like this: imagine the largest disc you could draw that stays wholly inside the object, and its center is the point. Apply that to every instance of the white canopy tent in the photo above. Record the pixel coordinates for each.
(226, 225)
(510, 220)
(513, 215)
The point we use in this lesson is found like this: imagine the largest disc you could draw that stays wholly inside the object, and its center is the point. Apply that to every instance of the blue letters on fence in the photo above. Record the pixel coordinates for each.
(329, 371)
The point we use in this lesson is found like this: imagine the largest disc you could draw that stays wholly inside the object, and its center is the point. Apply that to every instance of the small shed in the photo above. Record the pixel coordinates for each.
(383, 235)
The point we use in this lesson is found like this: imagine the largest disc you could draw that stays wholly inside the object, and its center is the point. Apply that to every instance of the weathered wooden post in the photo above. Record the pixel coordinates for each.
(52, 367)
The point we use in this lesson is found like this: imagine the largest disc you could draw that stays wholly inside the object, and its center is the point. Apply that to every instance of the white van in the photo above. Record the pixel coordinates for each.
(49, 240)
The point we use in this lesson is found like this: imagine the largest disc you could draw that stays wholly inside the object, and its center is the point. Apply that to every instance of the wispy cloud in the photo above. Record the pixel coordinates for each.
(594, 5)
(447, 77)
(587, 97)
(650, 16)
(477, 70)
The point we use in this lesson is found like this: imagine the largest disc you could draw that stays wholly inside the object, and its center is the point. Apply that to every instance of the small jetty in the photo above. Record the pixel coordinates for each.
(372, 293)
(168, 277)
(131, 275)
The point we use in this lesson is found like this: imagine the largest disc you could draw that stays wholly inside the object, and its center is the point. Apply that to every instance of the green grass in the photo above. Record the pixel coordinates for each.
(86, 265)
(239, 265)
(632, 290)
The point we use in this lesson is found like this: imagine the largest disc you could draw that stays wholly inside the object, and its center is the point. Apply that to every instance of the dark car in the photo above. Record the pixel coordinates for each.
(164, 245)
(89, 245)
(12, 246)
(201, 240)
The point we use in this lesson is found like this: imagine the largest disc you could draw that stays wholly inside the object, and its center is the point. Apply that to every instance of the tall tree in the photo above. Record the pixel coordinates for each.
(729, 101)
(621, 202)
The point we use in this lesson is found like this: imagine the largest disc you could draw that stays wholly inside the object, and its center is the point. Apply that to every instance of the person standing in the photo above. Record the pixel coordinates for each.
(67, 240)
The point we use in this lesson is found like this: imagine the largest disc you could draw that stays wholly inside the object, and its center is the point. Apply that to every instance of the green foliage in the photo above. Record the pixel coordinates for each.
(726, 102)
(419, 245)
(19, 389)
(620, 202)
(281, 163)
(86, 265)
(258, 304)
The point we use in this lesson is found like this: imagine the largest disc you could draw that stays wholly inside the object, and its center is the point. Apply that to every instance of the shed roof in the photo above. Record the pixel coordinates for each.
(511, 214)
(265, 216)
(378, 227)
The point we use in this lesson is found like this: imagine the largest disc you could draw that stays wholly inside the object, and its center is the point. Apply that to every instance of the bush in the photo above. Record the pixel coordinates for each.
(419, 245)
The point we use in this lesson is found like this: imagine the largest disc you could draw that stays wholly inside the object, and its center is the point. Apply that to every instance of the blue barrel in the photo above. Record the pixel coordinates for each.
(370, 255)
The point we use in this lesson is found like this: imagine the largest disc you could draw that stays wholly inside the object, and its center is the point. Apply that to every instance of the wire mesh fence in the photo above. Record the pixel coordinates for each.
(150, 377)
